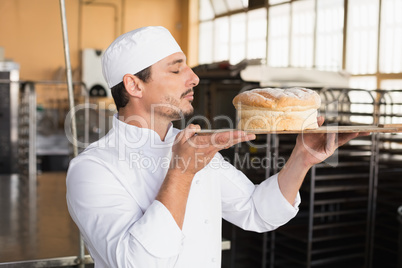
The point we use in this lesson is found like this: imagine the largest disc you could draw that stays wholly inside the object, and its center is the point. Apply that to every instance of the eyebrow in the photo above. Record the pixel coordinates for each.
(176, 62)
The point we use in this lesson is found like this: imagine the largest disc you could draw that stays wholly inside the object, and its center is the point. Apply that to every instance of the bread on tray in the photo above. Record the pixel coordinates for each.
(276, 109)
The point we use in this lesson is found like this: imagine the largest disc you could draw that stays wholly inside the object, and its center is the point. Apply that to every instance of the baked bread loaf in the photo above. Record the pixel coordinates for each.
(275, 109)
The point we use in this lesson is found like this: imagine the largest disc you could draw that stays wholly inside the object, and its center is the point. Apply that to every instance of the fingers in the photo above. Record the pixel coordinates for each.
(227, 139)
(345, 137)
(196, 151)
(364, 134)
(188, 132)
(320, 120)
(220, 140)
(331, 142)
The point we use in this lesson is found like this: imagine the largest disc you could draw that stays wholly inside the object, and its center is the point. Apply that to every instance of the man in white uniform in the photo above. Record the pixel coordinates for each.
(147, 195)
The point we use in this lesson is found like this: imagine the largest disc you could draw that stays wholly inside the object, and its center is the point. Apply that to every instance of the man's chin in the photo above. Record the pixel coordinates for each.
(184, 114)
(189, 112)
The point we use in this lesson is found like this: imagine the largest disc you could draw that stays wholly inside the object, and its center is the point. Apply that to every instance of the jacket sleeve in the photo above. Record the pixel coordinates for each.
(258, 208)
(117, 232)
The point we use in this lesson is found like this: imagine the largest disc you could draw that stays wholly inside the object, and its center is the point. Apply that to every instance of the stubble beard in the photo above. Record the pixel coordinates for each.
(170, 109)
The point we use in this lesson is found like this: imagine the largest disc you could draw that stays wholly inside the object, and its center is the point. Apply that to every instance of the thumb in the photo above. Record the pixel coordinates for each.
(320, 120)
(189, 132)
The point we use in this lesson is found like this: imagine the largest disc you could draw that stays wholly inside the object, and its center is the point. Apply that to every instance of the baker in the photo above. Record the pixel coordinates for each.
(148, 195)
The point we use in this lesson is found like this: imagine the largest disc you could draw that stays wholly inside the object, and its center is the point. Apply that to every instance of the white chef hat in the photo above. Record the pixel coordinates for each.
(136, 50)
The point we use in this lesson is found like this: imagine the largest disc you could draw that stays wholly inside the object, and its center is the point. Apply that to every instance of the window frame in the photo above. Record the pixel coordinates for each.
(379, 75)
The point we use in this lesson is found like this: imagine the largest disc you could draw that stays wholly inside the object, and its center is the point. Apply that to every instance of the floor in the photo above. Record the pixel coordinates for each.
(35, 227)
(34, 222)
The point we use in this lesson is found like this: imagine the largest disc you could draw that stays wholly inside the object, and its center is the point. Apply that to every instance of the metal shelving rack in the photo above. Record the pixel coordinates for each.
(27, 132)
(349, 202)
(9, 95)
(333, 226)
(386, 246)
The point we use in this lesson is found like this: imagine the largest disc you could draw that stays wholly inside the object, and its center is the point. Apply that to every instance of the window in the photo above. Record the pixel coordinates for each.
(237, 38)
(362, 36)
(391, 37)
(221, 39)
(302, 36)
(329, 43)
(394, 97)
(362, 100)
(219, 6)
(319, 34)
(363, 82)
(205, 42)
(273, 2)
(224, 6)
(392, 84)
(257, 34)
(236, 4)
(278, 36)
(205, 10)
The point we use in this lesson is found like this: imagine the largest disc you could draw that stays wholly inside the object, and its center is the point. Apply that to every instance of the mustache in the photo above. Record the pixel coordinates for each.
(190, 90)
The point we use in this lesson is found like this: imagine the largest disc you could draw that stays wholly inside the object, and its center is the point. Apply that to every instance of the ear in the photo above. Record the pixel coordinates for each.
(133, 85)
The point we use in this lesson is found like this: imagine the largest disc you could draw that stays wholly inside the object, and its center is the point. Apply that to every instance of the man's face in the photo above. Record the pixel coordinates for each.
(169, 92)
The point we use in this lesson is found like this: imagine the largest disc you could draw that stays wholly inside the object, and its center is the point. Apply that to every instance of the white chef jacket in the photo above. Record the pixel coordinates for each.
(111, 190)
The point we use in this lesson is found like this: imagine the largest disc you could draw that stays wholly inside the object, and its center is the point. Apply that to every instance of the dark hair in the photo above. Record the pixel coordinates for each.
(119, 92)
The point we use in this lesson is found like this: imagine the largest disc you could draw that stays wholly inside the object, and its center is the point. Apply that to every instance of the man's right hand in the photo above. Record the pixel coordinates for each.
(192, 152)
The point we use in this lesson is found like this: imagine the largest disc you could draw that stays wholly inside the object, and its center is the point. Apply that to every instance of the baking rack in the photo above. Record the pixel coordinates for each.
(348, 212)
(386, 241)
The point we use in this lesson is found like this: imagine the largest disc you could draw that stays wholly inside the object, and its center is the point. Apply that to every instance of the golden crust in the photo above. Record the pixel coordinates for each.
(276, 99)
(275, 109)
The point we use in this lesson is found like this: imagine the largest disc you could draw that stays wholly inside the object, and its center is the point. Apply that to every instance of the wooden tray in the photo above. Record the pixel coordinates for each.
(388, 128)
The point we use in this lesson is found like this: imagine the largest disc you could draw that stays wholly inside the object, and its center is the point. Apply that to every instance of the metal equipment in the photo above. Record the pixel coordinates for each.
(92, 73)
(9, 95)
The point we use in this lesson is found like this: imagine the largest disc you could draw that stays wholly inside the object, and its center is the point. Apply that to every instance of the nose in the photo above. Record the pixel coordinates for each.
(193, 78)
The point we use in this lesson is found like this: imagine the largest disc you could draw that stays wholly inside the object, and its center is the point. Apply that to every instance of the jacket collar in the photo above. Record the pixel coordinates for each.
(142, 137)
